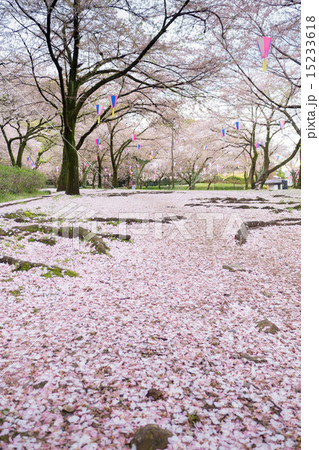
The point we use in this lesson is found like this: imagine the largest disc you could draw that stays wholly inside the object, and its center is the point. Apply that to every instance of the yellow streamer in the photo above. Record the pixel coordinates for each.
(98, 119)
(264, 65)
(112, 112)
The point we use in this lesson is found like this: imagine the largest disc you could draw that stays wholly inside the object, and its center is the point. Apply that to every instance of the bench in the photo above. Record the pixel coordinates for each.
(273, 183)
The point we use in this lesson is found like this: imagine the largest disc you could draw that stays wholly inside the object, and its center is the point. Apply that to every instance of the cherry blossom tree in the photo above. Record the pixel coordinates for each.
(73, 61)
(281, 89)
(20, 123)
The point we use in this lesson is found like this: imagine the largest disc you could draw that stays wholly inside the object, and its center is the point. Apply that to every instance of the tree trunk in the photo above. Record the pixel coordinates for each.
(252, 171)
(84, 179)
(115, 182)
(9, 146)
(172, 160)
(246, 180)
(63, 174)
(20, 153)
(72, 178)
(266, 162)
(208, 186)
(99, 173)
(299, 178)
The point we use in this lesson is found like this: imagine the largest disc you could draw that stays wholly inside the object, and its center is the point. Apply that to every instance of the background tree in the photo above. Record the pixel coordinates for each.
(20, 123)
(281, 21)
(59, 35)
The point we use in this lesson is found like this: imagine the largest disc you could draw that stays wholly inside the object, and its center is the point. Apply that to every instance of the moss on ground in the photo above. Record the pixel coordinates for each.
(57, 272)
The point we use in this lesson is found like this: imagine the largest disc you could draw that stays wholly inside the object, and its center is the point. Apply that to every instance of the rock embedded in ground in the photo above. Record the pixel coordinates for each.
(46, 241)
(234, 267)
(155, 394)
(65, 232)
(255, 359)
(241, 235)
(267, 327)
(68, 409)
(40, 385)
(21, 265)
(150, 437)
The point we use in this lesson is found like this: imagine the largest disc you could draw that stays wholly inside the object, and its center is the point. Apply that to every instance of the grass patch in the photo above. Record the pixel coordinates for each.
(57, 272)
(46, 241)
(16, 292)
(23, 267)
(200, 187)
(193, 418)
(114, 223)
(8, 197)
(23, 216)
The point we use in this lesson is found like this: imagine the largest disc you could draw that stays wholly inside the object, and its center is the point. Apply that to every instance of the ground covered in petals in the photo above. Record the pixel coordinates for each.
(175, 308)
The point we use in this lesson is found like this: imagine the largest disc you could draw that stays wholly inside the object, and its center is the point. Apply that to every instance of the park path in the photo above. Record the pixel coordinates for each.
(176, 309)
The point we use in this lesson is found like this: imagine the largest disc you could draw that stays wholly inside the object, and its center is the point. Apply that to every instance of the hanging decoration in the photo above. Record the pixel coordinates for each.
(223, 132)
(113, 103)
(99, 111)
(97, 141)
(205, 147)
(133, 137)
(237, 128)
(281, 124)
(138, 146)
(264, 45)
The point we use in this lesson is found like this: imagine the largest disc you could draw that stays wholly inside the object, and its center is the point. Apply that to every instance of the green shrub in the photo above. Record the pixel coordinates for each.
(14, 180)
(236, 179)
